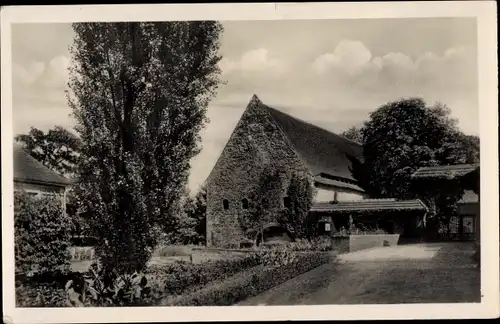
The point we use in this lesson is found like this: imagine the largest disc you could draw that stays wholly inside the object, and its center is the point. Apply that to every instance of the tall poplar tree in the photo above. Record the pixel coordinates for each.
(139, 92)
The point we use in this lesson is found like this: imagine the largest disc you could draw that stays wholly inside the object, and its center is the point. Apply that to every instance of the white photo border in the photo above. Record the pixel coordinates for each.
(485, 13)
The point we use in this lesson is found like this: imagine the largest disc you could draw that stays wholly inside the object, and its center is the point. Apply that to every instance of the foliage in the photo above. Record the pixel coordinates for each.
(139, 94)
(354, 134)
(402, 136)
(42, 295)
(252, 282)
(264, 200)
(42, 234)
(181, 276)
(300, 193)
(277, 256)
(100, 287)
(196, 210)
(321, 244)
(58, 149)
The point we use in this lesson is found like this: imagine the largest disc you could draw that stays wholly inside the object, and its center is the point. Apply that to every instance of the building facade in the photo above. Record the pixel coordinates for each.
(266, 138)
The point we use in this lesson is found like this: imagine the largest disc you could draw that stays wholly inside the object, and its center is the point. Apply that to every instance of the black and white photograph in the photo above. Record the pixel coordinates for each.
(236, 159)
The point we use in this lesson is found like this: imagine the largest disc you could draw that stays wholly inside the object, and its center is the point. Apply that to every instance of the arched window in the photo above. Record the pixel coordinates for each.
(225, 203)
(244, 203)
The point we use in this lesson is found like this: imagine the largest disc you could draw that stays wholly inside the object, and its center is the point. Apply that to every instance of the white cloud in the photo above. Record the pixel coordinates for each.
(252, 61)
(29, 74)
(355, 59)
(57, 75)
(351, 56)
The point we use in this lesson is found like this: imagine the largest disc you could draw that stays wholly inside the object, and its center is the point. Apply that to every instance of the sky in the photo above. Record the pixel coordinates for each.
(331, 73)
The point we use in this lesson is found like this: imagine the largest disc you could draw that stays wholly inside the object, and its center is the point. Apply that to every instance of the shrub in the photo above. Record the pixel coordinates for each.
(276, 257)
(251, 283)
(180, 276)
(42, 295)
(43, 289)
(100, 287)
(42, 234)
(319, 244)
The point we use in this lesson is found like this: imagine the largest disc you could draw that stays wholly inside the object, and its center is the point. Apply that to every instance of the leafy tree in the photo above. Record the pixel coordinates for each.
(404, 135)
(354, 134)
(196, 209)
(300, 194)
(58, 149)
(139, 92)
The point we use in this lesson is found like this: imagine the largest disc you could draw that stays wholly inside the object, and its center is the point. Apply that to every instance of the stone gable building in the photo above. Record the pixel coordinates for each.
(268, 138)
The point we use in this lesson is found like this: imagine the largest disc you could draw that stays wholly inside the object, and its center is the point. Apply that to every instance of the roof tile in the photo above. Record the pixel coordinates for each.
(321, 150)
(369, 205)
(28, 169)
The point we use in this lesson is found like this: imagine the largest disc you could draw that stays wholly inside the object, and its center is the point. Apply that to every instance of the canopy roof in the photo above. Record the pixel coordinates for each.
(370, 205)
(445, 171)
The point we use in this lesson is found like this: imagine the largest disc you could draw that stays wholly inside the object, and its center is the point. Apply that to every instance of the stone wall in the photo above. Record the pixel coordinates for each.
(255, 143)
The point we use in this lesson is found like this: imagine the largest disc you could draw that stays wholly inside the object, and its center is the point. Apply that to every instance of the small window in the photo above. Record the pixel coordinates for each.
(286, 202)
(225, 203)
(244, 203)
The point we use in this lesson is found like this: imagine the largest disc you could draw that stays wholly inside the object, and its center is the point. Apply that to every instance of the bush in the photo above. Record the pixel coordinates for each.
(100, 287)
(177, 277)
(42, 234)
(43, 289)
(253, 282)
(319, 244)
(43, 295)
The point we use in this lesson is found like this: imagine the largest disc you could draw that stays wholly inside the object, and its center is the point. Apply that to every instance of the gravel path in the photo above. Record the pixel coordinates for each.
(421, 273)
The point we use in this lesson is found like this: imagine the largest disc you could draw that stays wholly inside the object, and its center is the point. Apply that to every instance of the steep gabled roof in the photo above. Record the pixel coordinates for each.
(324, 152)
(28, 169)
(369, 205)
(445, 171)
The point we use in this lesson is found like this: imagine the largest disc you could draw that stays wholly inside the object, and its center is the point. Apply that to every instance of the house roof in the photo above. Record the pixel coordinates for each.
(323, 151)
(369, 205)
(469, 197)
(28, 169)
(445, 171)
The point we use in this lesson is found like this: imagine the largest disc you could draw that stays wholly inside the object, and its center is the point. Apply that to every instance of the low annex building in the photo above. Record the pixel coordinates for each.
(465, 225)
(35, 178)
(265, 137)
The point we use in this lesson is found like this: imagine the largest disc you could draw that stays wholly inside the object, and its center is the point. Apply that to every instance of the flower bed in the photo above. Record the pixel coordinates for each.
(252, 282)
(175, 278)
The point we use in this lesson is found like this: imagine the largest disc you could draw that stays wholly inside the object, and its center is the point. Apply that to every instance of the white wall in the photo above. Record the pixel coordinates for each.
(348, 196)
(327, 195)
(40, 190)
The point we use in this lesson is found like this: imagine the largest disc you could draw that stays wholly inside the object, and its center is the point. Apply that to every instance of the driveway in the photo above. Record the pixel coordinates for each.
(420, 273)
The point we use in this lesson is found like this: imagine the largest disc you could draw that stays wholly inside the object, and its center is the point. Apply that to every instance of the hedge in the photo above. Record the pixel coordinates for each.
(177, 277)
(42, 234)
(251, 282)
